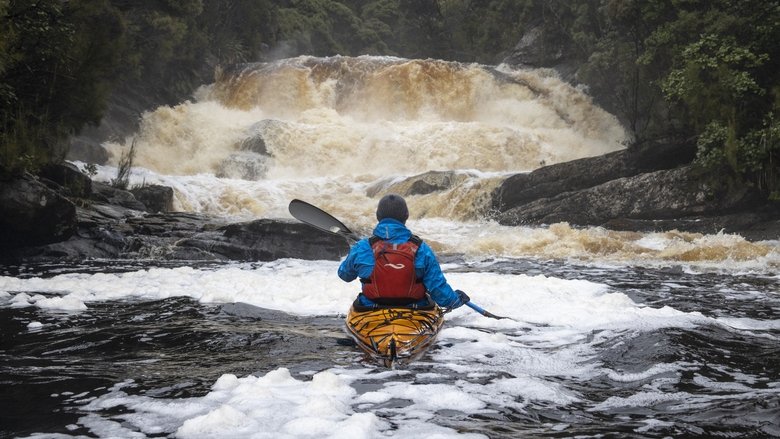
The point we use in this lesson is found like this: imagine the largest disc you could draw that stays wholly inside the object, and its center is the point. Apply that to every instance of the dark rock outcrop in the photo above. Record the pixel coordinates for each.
(88, 150)
(647, 187)
(267, 240)
(120, 231)
(662, 200)
(549, 181)
(33, 214)
(73, 182)
(107, 194)
(540, 49)
(156, 198)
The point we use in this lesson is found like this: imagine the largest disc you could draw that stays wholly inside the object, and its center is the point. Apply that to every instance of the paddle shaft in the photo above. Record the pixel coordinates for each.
(318, 218)
(480, 310)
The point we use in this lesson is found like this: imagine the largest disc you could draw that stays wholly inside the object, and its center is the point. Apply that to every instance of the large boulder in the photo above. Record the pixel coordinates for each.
(244, 165)
(156, 198)
(421, 184)
(107, 194)
(69, 178)
(549, 181)
(87, 150)
(539, 48)
(666, 194)
(33, 214)
(267, 240)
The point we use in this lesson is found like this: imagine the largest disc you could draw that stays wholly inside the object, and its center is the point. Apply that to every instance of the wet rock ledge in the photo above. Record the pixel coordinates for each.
(62, 214)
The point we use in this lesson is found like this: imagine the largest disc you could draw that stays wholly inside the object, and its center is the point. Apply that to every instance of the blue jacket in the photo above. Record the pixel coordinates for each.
(360, 263)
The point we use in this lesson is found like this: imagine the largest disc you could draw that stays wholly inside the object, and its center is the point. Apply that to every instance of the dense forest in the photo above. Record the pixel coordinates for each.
(702, 72)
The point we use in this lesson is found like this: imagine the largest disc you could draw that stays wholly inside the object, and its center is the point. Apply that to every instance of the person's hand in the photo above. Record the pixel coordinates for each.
(462, 299)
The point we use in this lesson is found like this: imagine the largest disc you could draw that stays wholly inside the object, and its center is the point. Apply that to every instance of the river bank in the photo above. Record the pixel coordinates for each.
(54, 221)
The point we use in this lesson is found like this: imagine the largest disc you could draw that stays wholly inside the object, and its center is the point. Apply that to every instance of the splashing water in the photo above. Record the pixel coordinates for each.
(661, 334)
(343, 131)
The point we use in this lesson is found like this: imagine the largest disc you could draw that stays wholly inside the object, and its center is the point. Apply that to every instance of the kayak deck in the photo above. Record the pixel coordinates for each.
(394, 335)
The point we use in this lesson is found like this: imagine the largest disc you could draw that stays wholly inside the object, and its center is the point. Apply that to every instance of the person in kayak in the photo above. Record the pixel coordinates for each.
(395, 267)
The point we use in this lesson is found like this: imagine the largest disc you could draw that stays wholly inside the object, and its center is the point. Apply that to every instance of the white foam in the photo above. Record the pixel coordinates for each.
(627, 377)
(312, 288)
(554, 333)
(275, 405)
(749, 324)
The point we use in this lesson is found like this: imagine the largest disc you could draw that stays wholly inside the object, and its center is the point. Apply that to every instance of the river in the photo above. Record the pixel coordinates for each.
(609, 334)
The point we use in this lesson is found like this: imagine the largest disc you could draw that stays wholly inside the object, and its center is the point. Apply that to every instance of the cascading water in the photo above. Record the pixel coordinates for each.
(343, 131)
(611, 333)
(311, 127)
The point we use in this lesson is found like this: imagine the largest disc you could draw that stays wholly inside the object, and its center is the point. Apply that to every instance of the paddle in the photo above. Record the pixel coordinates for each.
(318, 218)
(479, 309)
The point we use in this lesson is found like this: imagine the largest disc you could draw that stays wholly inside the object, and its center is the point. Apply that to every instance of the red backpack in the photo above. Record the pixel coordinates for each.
(394, 276)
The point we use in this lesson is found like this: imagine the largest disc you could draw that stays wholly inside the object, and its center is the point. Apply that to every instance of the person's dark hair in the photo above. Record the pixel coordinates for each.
(392, 206)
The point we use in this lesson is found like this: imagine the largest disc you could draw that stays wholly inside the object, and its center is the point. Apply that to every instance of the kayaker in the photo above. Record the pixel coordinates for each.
(408, 271)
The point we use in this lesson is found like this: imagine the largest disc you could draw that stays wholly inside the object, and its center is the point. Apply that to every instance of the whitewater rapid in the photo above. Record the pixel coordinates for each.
(557, 329)
(340, 132)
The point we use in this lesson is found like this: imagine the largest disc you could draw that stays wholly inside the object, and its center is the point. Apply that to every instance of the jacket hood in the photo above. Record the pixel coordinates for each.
(392, 230)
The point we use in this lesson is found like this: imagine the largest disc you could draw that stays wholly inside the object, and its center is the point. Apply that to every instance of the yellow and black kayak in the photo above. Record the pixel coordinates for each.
(394, 335)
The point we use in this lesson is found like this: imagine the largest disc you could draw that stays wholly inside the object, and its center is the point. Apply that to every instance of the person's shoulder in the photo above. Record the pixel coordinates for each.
(362, 244)
(424, 248)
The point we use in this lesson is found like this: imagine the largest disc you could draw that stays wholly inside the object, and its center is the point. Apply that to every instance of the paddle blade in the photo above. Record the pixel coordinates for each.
(314, 216)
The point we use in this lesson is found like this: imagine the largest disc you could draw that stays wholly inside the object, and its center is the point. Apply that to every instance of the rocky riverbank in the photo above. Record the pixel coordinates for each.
(62, 214)
(650, 188)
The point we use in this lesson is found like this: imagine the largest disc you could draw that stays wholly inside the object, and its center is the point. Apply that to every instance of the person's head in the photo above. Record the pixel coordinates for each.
(392, 206)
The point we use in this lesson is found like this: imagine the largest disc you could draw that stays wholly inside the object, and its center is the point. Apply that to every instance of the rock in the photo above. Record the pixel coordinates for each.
(661, 195)
(549, 181)
(156, 198)
(751, 226)
(87, 150)
(267, 240)
(258, 134)
(244, 165)
(255, 144)
(74, 182)
(104, 193)
(251, 161)
(421, 184)
(32, 214)
(540, 49)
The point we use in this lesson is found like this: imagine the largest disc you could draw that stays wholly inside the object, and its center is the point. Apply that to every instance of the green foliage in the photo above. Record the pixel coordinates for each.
(90, 170)
(720, 78)
(716, 77)
(58, 62)
(693, 69)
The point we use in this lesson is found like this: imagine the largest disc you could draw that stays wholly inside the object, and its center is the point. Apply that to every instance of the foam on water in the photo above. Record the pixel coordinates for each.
(556, 331)
(312, 288)
(335, 130)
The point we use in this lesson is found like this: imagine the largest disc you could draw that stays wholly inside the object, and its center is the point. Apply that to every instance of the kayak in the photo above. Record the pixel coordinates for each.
(394, 335)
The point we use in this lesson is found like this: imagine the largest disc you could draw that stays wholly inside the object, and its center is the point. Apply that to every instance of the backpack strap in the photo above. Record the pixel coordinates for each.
(416, 240)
